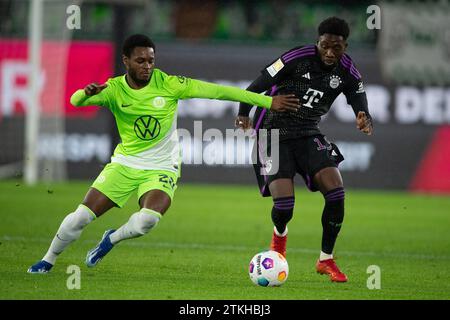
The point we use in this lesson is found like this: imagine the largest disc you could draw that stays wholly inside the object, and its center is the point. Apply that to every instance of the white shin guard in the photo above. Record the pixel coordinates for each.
(69, 231)
(139, 224)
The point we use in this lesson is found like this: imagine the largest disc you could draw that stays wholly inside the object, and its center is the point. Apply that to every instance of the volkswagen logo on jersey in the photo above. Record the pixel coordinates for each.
(147, 128)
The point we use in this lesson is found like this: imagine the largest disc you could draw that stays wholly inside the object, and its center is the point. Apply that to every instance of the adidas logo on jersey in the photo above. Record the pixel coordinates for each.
(306, 75)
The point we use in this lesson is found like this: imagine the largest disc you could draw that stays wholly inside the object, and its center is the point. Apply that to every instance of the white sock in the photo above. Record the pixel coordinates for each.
(69, 231)
(325, 256)
(281, 234)
(139, 224)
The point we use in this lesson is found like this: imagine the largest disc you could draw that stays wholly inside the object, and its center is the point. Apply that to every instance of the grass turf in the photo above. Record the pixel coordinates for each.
(202, 247)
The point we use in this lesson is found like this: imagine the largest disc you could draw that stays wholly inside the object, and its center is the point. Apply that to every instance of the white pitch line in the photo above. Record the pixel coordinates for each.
(239, 248)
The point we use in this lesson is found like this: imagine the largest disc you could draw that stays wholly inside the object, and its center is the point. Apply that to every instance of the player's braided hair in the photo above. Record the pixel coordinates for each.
(334, 25)
(136, 40)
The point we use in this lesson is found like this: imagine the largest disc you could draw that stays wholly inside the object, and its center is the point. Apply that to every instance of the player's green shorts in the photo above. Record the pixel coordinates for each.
(118, 182)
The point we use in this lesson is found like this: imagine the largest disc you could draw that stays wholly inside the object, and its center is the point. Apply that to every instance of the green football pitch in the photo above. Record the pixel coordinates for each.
(202, 246)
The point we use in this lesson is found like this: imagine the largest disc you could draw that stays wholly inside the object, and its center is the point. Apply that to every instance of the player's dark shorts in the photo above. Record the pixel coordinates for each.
(305, 156)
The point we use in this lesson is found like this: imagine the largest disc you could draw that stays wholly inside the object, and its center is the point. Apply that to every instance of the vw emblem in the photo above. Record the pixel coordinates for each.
(147, 128)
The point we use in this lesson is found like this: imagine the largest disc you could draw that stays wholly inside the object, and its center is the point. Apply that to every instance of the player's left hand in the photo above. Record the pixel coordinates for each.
(363, 123)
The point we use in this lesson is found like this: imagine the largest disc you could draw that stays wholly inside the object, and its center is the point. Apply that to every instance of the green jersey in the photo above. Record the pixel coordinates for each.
(147, 118)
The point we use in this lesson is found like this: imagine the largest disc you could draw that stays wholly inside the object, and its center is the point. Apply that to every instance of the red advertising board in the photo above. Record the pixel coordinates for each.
(433, 173)
(65, 67)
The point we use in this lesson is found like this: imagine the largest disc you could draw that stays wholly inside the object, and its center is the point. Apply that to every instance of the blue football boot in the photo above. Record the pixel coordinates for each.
(40, 267)
(103, 247)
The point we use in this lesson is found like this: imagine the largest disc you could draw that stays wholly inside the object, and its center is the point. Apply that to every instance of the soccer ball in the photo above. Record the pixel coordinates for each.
(268, 269)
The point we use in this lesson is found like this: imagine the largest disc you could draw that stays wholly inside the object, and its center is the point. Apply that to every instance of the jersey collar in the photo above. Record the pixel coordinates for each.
(124, 81)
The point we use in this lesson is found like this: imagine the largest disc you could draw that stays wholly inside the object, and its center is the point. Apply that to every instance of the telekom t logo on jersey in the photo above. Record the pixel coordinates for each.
(311, 96)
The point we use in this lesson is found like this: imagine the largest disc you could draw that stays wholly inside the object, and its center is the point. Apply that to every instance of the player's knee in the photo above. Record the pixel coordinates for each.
(81, 217)
(283, 210)
(74, 222)
(161, 208)
(146, 219)
(155, 200)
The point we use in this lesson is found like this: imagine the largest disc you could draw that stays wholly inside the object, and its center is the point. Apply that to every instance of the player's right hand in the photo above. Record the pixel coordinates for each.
(94, 88)
(284, 103)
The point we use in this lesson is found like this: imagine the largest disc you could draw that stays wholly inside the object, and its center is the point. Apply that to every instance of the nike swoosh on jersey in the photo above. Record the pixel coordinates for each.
(126, 105)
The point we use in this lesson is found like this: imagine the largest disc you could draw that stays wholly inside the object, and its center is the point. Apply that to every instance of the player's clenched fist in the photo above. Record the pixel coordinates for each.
(94, 88)
(364, 123)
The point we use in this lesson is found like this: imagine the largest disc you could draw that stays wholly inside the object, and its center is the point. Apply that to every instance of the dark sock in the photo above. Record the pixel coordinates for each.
(282, 211)
(332, 218)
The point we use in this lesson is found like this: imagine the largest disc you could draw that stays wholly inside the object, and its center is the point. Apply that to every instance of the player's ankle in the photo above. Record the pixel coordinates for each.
(325, 256)
(50, 257)
(281, 234)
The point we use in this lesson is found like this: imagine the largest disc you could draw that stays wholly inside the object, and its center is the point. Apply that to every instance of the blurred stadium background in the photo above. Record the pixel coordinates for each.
(404, 65)
(44, 140)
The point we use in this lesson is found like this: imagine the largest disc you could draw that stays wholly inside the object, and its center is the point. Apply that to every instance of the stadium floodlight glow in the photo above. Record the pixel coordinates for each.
(32, 113)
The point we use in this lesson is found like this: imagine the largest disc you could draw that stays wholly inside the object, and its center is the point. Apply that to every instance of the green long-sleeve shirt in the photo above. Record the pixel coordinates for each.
(146, 117)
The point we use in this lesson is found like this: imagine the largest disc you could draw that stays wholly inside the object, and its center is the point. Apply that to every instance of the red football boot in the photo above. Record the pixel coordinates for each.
(278, 243)
(329, 267)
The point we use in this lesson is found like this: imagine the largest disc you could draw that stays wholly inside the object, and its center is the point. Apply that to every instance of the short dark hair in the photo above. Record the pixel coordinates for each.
(136, 40)
(336, 26)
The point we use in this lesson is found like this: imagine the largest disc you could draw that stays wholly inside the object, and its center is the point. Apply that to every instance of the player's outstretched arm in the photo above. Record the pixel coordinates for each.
(90, 95)
(208, 90)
